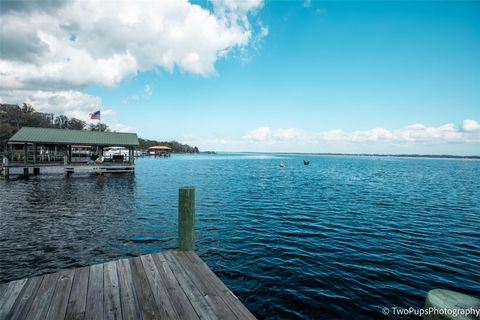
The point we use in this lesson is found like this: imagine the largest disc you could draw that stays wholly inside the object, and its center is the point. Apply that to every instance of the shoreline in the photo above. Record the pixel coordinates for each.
(385, 155)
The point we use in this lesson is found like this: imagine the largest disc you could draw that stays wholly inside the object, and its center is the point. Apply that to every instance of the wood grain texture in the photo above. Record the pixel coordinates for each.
(111, 295)
(25, 299)
(94, 306)
(59, 304)
(128, 298)
(44, 296)
(10, 296)
(170, 285)
(78, 295)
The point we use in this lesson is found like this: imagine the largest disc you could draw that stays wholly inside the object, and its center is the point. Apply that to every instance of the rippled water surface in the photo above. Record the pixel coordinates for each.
(338, 239)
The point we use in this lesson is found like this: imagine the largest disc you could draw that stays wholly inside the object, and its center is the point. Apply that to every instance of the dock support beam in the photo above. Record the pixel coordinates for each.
(25, 152)
(25, 173)
(186, 219)
(36, 171)
(34, 153)
(69, 153)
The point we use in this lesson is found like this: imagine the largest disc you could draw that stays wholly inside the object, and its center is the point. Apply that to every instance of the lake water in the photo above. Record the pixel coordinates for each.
(338, 239)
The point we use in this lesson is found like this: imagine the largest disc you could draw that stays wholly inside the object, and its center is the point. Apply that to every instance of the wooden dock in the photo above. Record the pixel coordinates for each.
(169, 285)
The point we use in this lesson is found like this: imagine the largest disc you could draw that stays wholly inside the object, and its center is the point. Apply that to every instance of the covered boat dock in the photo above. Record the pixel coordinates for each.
(42, 147)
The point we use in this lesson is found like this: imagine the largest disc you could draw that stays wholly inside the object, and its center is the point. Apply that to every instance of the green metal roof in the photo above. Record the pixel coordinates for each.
(83, 137)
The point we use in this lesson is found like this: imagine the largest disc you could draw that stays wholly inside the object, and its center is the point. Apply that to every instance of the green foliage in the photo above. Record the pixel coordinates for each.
(176, 146)
(99, 127)
(13, 117)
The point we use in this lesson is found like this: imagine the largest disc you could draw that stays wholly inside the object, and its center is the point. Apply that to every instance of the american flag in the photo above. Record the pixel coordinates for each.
(95, 115)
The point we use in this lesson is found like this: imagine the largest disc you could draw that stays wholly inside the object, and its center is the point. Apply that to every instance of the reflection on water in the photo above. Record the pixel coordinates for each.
(340, 238)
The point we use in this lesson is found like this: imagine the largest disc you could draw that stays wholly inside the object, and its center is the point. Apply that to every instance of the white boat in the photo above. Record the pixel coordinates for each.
(110, 152)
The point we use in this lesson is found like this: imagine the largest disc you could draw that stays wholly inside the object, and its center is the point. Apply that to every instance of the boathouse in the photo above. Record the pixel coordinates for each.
(159, 151)
(76, 150)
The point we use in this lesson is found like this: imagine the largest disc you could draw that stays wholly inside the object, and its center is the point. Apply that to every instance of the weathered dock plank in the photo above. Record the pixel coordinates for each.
(78, 295)
(159, 289)
(59, 304)
(111, 294)
(180, 302)
(25, 299)
(230, 298)
(9, 296)
(168, 285)
(43, 298)
(94, 306)
(196, 297)
(128, 299)
(148, 307)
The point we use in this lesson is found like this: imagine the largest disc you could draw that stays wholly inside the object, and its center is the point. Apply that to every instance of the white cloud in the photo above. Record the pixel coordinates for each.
(147, 91)
(86, 42)
(68, 102)
(467, 132)
(470, 125)
(120, 127)
(259, 134)
(52, 49)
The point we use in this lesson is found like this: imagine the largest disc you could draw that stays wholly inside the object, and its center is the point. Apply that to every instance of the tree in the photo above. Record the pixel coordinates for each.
(76, 124)
(27, 108)
(61, 122)
(99, 127)
(6, 131)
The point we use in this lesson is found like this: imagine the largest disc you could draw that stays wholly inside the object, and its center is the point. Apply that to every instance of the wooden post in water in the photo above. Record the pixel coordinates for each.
(186, 219)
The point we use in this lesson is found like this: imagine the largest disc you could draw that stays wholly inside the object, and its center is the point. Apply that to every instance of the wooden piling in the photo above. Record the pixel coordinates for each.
(25, 172)
(36, 171)
(186, 219)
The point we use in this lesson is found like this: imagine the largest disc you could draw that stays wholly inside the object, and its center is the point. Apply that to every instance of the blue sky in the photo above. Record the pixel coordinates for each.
(393, 77)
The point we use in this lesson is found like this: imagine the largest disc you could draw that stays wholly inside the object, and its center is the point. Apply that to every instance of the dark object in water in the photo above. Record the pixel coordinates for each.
(305, 162)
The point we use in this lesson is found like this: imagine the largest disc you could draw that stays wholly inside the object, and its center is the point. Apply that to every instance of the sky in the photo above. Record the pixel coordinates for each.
(253, 75)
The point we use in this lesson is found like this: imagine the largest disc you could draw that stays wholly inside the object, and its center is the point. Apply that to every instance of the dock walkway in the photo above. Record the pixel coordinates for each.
(168, 285)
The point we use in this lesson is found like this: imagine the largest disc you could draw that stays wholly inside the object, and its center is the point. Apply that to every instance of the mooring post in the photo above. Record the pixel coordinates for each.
(440, 301)
(186, 219)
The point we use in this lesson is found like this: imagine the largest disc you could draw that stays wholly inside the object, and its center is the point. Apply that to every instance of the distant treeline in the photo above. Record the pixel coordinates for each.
(14, 117)
(393, 155)
(176, 146)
